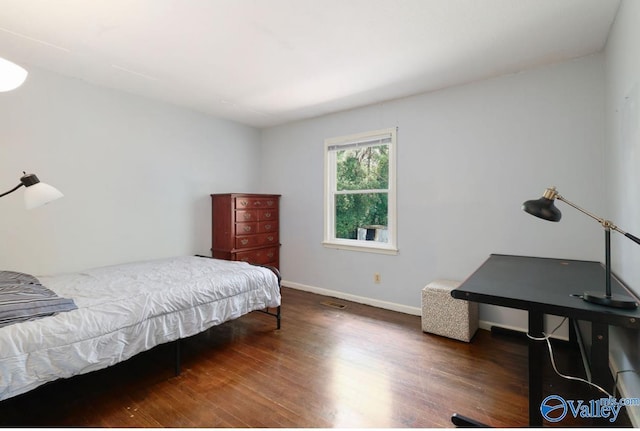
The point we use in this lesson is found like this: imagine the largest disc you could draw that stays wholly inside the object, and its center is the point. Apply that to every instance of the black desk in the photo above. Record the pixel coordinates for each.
(548, 286)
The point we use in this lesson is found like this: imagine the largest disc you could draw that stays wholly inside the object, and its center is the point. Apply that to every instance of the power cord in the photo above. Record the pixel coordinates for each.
(553, 362)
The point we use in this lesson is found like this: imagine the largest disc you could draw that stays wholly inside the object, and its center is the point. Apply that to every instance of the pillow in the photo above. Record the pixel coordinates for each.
(22, 298)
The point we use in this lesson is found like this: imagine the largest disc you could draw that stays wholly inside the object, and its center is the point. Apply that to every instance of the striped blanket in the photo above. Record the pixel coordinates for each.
(22, 297)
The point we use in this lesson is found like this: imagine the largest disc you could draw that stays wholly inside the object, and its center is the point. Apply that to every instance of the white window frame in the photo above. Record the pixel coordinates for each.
(330, 185)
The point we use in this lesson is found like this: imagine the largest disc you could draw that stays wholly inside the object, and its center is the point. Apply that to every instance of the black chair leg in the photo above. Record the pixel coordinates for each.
(465, 422)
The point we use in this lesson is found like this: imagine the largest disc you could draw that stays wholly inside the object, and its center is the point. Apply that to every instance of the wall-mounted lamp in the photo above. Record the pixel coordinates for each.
(545, 209)
(36, 193)
(11, 75)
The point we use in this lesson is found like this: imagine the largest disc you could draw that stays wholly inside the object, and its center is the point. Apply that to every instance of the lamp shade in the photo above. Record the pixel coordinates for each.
(11, 75)
(40, 194)
(542, 208)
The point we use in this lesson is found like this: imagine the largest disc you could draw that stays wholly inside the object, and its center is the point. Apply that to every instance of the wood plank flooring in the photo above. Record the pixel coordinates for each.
(327, 367)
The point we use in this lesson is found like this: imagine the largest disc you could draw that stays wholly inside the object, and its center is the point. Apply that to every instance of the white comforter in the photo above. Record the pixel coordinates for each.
(126, 309)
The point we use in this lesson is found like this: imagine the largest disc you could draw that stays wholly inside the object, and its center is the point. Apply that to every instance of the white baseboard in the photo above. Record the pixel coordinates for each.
(416, 311)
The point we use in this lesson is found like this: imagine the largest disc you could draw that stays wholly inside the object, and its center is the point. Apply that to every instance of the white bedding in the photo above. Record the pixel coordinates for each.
(127, 309)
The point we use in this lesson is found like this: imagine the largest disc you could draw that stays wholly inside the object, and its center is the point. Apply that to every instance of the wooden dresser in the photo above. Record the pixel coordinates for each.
(245, 227)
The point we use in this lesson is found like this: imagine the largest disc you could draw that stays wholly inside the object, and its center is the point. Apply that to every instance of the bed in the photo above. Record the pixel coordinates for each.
(125, 309)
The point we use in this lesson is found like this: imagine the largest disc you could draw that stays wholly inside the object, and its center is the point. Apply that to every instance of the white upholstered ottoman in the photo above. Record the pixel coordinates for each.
(444, 315)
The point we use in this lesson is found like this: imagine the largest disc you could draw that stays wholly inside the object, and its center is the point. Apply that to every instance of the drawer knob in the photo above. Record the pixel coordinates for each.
(247, 228)
(247, 216)
(267, 226)
(270, 238)
(267, 215)
(244, 241)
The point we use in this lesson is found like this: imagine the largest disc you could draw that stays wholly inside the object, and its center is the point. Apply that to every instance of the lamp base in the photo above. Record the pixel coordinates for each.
(615, 301)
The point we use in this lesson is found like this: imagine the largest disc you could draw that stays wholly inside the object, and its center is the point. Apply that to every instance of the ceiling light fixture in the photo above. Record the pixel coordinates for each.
(11, 75)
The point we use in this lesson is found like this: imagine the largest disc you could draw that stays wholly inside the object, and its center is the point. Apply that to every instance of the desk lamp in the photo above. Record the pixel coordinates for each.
(546, 210)
(36, 193)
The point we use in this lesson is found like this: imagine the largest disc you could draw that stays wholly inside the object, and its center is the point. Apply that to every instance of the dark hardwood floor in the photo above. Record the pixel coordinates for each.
(327, 367)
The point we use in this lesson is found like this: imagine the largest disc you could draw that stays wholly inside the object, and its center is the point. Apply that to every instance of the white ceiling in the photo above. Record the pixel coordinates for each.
(268, 62)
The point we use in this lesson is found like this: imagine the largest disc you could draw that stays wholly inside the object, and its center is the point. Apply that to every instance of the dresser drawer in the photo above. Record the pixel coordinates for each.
(246, 215)
(254, 202)
(267, 226)
(258, 227)
(268, 214)
(256, 215)
(247, 241)
(260, 256)
(246, 228)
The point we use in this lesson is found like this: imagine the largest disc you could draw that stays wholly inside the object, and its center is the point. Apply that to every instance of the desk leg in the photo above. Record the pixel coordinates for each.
(600, 354)
(536, 357)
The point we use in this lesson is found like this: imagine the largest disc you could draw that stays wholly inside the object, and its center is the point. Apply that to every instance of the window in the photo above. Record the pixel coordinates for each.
(360, 192)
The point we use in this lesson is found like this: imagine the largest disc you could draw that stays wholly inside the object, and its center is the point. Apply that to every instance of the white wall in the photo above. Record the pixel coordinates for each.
(467, 159)
(136, 175)
(623, 178)
(623, 138)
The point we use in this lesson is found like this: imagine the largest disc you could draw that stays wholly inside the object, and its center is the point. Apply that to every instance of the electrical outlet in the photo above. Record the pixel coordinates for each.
(376, 277)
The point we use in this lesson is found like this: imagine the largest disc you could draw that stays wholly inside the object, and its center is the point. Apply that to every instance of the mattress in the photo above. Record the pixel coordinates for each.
(126, 309)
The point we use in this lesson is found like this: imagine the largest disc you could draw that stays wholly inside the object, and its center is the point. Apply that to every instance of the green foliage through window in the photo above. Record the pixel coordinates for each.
(360, 210)
(363, 168)
(361, 199)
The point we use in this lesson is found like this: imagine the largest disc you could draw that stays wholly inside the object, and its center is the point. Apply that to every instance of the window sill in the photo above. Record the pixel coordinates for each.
(367, 247)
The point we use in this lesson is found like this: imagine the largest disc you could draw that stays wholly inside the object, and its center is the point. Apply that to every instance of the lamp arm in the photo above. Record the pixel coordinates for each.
(607, 224)
(12, 190)
(582, 210)
(628, 235)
